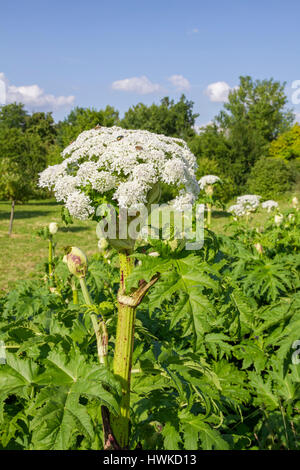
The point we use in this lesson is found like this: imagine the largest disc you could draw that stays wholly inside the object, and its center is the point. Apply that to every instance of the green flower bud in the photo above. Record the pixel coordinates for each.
(76, 261)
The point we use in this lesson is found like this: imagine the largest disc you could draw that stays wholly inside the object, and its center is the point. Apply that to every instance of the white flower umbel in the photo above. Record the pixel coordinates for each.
(208, 180)
(126, 165)
(237, 210)
(269, 205)
(249, 202)
(206, 183)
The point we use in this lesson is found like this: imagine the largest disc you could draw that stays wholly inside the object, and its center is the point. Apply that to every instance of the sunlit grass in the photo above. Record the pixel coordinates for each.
(22, 256)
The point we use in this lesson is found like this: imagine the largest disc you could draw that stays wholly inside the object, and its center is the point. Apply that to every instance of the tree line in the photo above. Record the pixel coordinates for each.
(251, 136)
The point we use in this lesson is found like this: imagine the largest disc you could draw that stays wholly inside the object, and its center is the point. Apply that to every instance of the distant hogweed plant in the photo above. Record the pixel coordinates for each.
(245, 205)
(206, 184)
(269, 205)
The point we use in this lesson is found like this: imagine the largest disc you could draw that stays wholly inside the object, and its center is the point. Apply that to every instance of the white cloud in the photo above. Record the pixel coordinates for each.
(140, 85)
(297, 117)
(218, 91)
(180, 82)
(33, 96)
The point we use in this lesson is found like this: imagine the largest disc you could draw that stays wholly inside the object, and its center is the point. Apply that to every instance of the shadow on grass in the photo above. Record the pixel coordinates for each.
(72, 229)
(219, 214)
(5, 215)
(43, 203)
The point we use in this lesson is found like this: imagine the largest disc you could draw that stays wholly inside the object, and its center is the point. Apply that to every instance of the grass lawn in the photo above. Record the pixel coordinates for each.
(22, 256)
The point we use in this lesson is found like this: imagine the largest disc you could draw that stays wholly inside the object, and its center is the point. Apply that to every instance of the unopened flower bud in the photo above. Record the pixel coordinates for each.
(53, 227)
(154, 253)
(291, 217)
(278, 218)
(295, 202)
(259, 248)
(77, 262)
(102, 244)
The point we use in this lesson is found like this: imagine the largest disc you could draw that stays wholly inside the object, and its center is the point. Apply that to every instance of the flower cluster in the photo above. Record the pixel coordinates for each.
(245, 205)
(237, 210)
(208, 180)
(127, 164)
(269, 205)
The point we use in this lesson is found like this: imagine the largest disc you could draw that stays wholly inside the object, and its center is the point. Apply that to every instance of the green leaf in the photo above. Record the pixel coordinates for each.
(210, 438)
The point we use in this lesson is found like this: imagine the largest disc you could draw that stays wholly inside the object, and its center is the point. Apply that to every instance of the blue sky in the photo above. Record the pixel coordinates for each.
(58, 54)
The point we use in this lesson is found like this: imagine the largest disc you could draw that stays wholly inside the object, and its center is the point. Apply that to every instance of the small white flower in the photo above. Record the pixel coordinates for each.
(295, 202)
(53, 227)
(291, 218)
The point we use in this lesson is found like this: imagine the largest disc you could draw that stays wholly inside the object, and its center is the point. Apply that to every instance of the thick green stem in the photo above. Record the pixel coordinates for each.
(123, 354)
(50, 257)
(208, 214)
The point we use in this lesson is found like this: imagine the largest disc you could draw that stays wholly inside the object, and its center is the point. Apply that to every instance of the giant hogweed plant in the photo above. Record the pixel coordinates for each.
(124, 168)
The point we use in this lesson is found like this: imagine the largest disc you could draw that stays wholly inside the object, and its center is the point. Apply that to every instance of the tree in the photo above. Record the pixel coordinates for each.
(211, 145)
(287, 145)
(13, 116)
(83, 119)
(270, 177)
(260, 105)
(43, 125)
(168, 118)
(22, 157)
(241, 134)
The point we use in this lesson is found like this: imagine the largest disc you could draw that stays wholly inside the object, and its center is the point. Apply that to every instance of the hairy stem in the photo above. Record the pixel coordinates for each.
(123, 353)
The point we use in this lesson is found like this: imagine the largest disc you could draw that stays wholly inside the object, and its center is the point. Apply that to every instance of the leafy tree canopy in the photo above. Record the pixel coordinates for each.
(241, 134)
(168, 118)
(287, 145)
(82, 119)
